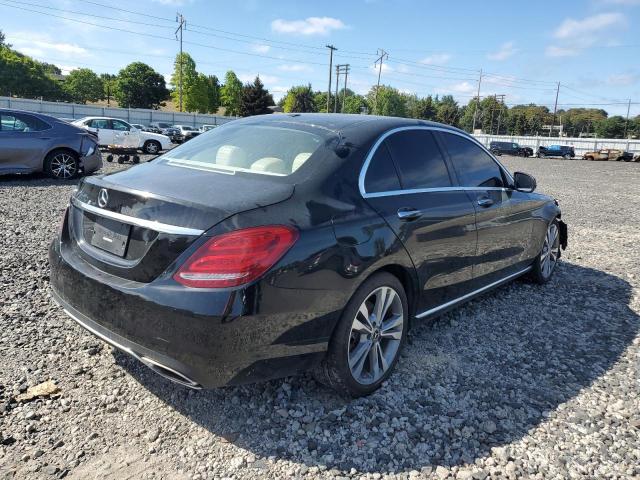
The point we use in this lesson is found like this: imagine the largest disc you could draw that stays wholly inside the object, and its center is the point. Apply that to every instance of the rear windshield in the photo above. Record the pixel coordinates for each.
(249, 148)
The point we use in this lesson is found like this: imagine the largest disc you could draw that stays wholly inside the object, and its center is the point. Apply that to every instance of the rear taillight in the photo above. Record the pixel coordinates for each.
(236, 258)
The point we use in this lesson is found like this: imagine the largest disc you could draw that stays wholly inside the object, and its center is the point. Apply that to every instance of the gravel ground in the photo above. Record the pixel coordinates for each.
(524, 382)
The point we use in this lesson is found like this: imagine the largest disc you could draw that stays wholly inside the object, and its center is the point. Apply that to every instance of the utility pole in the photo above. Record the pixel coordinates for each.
(331, 49)
(382, 56)
(182, 25)
(344, 94)
(555, 109)
(500, 112)
(495, 100)
(339, 69)
(626, 122)
(475, 112)
(335, 98)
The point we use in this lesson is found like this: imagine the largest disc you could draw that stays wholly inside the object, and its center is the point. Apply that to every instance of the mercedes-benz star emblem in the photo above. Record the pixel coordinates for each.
(103, 197)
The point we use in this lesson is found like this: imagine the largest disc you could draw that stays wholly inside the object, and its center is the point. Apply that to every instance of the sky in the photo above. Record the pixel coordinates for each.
(523, 48)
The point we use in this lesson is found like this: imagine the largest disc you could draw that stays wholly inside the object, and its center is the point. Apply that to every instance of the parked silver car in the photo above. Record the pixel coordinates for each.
(32, 142)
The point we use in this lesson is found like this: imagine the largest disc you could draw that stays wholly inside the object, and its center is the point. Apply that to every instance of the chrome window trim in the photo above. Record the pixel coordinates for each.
(139, 222)
(471, 294)
(385, 135)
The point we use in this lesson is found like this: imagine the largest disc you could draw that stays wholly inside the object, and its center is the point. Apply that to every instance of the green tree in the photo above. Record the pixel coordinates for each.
(389, 102)
(256, 100)
(140, 86)
(184, 68)
(22, 76)
(204, 95)
(447, 111)
(355, 104)
(51, 69)
(83, 85)
(612, 127)
(109, 82)
(2, 40)
(299, 99)
(231, 94)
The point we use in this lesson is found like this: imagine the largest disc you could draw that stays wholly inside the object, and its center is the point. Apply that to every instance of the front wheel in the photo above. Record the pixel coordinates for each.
(567, 157)
(546, 261)
(151, 147)
(368, 339)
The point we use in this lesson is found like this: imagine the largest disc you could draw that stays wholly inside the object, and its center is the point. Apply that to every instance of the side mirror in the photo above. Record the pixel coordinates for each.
(524, 182)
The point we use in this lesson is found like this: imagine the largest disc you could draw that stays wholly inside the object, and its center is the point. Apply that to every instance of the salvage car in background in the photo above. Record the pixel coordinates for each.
(563, 151)
(166, 129)
(609, 154)
(108, 128)
(282, 243)
(510, 148)
(187, 132)
(32, 142)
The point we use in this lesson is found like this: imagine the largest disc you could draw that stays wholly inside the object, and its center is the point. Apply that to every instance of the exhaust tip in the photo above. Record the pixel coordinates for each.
(170, 373)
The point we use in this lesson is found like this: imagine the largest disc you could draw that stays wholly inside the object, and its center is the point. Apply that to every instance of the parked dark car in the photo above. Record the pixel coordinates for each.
(32, 142)
(510, 148)
(282, 243)
(167, 129)
(563, 151)
(187, 132)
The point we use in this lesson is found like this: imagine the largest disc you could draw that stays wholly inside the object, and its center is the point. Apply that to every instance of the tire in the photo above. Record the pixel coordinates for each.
(109, 158)
(567, 157)
(136, 159)
(589, 158)
(540, 155)
(547, 260)
(151, 147)
(62, 164)
(352, 338)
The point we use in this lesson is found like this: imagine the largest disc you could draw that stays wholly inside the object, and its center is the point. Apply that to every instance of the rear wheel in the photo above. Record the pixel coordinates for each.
(61, 164)
(567, 156)
(546, 261)
(368, 339)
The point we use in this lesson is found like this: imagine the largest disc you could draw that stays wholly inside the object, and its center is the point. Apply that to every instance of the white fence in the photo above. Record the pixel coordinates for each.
(131, 115)
(581, 145)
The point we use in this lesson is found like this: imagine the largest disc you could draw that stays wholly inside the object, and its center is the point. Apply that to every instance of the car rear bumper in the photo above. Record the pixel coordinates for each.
(197, 338)
(91, 163)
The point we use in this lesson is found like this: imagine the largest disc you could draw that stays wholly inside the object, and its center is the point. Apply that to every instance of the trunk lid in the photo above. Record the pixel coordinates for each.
(133, 224)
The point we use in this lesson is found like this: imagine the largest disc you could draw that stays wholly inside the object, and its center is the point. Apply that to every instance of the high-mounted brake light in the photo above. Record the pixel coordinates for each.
(237, 257)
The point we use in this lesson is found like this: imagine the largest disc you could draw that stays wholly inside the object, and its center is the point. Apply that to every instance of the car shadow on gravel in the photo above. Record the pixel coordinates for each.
(478, 377)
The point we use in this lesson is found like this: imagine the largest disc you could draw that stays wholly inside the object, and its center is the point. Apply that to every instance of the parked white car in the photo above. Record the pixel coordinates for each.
(206, 128)
(111, 129)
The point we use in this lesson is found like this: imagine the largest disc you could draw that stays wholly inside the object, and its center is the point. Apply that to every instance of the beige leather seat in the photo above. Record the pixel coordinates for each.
(232, 156)
(269, 165)
(299, 160)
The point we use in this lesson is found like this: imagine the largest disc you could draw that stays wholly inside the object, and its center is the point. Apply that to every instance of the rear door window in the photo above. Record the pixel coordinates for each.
(418, 159)
(474, 166)
(102, 123)
(381, 174)
(18, 122)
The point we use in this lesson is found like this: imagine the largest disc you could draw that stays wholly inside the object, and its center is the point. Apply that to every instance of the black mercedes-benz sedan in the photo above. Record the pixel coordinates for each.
(283, 243)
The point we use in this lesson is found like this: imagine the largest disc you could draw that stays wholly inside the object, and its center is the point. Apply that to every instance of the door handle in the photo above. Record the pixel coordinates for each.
(409, 214)
(485, 202)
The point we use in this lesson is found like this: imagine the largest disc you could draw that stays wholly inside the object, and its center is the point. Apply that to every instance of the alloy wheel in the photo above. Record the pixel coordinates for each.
(550, 250)
(152, 148)
(63, 165)
(376, 333)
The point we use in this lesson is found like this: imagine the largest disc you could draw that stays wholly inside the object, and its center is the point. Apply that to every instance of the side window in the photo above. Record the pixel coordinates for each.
(474, 166)
(120, 125)
(21, 123)
(99, 123)
(418, 158)
(381, 174)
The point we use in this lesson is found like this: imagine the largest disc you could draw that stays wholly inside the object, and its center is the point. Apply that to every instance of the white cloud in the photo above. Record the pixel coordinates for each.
(385, 68)
(260, 48)
(506, 50)
(265, 79)
(308, 26)
(575, 35)
(571, 28)
(436, 59)
(462, 87)
(32, 43)
(295, 67)
(623, 79)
